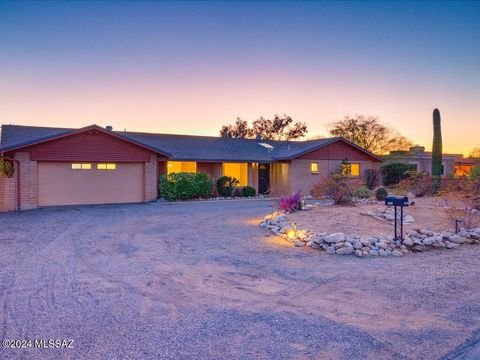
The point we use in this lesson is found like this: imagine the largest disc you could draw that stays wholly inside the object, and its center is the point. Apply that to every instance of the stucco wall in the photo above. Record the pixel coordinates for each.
(425, 164)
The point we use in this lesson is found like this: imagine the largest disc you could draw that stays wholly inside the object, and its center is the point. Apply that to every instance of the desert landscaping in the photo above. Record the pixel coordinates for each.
(110, 277)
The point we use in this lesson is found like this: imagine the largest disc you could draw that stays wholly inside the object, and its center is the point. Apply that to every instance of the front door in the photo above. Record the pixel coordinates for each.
(263, 178)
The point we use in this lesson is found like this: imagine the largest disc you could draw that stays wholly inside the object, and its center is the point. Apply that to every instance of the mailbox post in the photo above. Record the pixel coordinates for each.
(401, 202)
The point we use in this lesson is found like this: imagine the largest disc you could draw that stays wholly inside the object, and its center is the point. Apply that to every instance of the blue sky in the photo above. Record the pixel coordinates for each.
(188, 67)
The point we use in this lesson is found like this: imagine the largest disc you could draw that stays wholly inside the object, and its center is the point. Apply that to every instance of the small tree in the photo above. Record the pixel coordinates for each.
(278, 128)
(338, 187)
(369, 133)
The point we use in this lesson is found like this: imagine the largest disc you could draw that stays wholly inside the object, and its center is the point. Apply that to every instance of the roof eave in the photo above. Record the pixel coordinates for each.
(73, 132)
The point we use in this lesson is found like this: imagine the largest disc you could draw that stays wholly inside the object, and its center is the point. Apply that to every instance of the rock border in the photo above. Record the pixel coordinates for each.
(418, 240)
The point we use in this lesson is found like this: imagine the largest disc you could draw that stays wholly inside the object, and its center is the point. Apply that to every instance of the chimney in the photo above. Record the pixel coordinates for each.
(109, 128)
(417, 149)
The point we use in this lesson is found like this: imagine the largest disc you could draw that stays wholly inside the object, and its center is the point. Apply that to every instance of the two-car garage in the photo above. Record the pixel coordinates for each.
(91, 165)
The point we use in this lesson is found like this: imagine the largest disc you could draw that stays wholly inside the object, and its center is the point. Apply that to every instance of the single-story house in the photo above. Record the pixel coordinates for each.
(96, 165)
(451, 163)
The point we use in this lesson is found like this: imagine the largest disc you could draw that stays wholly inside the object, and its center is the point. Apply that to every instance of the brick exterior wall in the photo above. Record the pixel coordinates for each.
(8, 194)
(151, 179)
(301, 178)
(28, 181)
(214, 169)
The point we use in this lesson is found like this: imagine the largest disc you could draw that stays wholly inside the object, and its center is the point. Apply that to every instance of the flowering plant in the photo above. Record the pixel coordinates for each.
(291, 203)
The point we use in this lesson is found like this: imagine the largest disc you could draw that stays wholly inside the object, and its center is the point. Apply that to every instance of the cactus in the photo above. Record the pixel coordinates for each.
(436, 151)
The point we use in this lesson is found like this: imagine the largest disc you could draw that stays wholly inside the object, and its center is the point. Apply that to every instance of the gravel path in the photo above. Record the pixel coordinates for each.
(202, 280)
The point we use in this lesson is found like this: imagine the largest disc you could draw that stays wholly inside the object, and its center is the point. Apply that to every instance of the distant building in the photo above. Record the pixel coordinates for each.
(452, 164)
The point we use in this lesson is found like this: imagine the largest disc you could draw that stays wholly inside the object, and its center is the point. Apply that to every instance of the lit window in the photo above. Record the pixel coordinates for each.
(84, 166)
(106, 166)
(314, 167)
(352, 169)
(236, 170)
(181, 166)
(355, 170)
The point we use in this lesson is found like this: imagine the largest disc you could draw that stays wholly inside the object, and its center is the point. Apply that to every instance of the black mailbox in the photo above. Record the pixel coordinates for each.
(396, 200)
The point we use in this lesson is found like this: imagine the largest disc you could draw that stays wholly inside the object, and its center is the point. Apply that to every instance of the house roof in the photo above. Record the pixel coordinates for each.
(180, 147)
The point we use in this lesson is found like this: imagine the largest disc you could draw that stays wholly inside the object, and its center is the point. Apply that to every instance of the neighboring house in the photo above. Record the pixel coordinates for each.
(95, 165)
(464, 166)
(423, 160)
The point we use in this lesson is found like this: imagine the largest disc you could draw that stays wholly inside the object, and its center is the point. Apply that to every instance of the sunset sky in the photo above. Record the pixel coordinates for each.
(191, 67)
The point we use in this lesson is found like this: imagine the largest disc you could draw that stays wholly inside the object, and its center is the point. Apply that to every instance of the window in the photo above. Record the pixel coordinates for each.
(314, 168)
(236, 170)
(352, 169)
(416, 164)
(181, 166)
(83, 166)
(106, 166)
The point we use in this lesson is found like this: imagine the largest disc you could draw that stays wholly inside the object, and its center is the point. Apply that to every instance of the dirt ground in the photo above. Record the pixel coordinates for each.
(202, 280)
(427, 212)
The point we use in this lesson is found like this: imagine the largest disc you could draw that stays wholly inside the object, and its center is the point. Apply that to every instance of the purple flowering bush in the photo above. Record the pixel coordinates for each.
(291, 203)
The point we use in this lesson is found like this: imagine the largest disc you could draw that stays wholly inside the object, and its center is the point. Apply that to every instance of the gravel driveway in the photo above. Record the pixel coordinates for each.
(202, 280)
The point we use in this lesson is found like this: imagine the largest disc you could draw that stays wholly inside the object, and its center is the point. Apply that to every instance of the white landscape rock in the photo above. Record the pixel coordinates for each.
(344, 250)
(457, 239)
(417, 240)
(335, 238)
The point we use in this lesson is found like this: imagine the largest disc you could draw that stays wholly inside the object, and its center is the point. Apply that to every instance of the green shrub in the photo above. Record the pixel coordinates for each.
(392, 173)
(249, 191)
(184, 186)
(6, 168)
(225, 185)
(237, 192)
(381, 193)
(475, 174)
(363, 193)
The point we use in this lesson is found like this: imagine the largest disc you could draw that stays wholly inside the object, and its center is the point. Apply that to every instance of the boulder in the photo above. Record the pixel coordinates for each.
(428, 240)
(299, 243)
(457, 239)
(331, 250)
(373, 252)
(372, 240)
(358, 253)
(452, 245)
(344, 251)
(357, 245)
(381, 245)
(335, 238)
(407, 241)
(397, 253)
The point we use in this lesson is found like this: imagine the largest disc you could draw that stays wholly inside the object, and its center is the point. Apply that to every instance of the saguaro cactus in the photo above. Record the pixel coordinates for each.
(436, 151)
